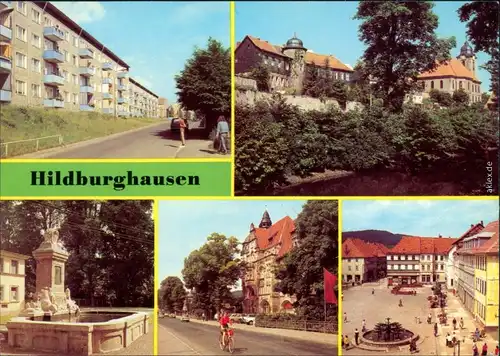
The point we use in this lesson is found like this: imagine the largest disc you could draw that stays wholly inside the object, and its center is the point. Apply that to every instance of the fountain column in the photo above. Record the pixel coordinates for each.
(51, 259)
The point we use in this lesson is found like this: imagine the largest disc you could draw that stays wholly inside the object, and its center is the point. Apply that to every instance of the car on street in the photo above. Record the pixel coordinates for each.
(185, 318)
(236, 317)
(248, 319)
(175, 125)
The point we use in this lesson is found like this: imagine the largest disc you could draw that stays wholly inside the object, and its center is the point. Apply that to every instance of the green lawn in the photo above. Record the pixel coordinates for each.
(22, 123)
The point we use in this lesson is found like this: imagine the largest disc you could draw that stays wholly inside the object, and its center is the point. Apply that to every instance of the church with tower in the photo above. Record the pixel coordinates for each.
(262, 251)
(457, 73)
(287, 63)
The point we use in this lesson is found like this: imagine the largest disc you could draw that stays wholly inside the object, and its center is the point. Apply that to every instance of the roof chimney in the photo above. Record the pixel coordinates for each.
(482, 223)
(471, 225)
(440, 236)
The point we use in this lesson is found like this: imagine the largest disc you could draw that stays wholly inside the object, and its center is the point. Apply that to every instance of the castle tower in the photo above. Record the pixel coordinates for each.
(266, 222)
(295, 49)
(51, 259)
(467, 57)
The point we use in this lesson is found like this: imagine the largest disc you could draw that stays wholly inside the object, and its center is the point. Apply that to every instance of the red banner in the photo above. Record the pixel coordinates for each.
(330, 282)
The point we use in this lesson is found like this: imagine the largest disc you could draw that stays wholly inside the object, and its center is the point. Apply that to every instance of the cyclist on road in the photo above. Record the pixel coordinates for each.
(224, 322)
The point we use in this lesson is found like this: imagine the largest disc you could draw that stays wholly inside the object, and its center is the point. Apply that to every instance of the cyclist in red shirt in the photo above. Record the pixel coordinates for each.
(224, 322)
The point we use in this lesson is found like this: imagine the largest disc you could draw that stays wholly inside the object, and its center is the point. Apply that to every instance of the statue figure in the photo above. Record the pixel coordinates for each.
(71, 304)
(51, 236)
(46, 302)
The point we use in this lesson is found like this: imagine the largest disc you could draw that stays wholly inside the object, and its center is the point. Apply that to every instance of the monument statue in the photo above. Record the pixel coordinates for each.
(46, 303)
(71, 304)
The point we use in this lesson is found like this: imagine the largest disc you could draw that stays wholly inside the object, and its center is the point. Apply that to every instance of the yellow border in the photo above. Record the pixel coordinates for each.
(339, 280)
(114, 160)
(155, 269)
(233, 90)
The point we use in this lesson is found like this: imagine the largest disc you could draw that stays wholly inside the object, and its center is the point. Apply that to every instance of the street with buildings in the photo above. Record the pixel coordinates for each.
(462, 271)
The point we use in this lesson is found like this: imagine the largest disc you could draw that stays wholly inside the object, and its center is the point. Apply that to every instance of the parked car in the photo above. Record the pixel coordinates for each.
(185, 318)
(175, 125)
(248, 319)
(236, 318)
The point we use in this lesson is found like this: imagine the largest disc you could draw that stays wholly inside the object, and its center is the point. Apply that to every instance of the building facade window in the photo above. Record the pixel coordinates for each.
(22, 8)
(14, 267)
(35, 16)
(20, 87)
(36, 91)
(14, 294)
(20, 33)
(36, 41)
(441, 86)
(36, 65)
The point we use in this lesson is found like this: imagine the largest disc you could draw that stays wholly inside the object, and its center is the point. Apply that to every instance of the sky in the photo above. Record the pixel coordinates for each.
(154, 38)
(450, 218)
(328, 27)
(185, 225)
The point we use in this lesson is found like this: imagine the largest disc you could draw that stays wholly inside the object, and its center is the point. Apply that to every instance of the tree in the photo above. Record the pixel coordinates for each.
(212, 270)
(301, 273)
(205, 82)
(262, 76)
(441, 98)
(482, 30)
(172, 294)
(460, 97)
(108, 242)
(401, 44)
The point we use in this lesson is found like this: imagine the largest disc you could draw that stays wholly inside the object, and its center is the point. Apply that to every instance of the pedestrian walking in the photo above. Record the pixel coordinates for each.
(182, 130)
(401, 302)
(461, 323)
(346, 342)
(343, 343)
(435, 329)
(222, 133)
(485, 350)
(342, 296)
(497, 351)
(429, 318)
(363, 325)
(475, 350)
(454, 323)
(356, 336)
(373, 291)
(345, 317)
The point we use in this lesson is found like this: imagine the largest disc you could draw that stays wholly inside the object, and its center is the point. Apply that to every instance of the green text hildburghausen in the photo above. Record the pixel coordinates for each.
(119, 182)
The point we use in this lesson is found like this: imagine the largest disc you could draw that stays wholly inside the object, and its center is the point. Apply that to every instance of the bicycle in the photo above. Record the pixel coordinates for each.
(229, 341)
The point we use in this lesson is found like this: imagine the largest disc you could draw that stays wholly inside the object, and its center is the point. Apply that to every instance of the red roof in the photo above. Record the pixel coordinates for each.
(280, 233)
(488, 247)
(473, 230)
(357, 248)
(416, 245)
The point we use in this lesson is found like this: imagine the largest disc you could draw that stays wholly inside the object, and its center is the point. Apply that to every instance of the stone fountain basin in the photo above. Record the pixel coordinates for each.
(78, 338)
(389, 344)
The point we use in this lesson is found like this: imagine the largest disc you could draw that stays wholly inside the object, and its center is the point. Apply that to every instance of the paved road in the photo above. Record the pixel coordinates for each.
(150, 142)
(181, 338)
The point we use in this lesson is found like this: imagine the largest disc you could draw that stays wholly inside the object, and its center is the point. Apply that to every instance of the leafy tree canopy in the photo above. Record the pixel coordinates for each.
(261, 75)
(212, 270)
(205, 82)
(301, 274)
(401, 43)
(172, 294)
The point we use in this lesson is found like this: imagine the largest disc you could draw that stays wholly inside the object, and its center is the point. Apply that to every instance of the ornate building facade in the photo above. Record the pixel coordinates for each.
(457, 73)
(287, 64)
(262, 251)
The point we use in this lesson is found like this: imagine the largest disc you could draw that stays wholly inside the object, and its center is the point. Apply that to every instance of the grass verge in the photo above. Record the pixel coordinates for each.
(23, 123)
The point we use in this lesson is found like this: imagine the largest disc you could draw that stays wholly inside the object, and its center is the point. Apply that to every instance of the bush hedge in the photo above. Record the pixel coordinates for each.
(295, 322)
(276, 140)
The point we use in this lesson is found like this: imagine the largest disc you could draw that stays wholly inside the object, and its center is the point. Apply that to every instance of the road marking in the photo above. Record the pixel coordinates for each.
(176, 337)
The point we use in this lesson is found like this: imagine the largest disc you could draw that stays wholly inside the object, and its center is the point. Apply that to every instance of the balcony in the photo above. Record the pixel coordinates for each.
(107, 66)
(86, 89)
(5, 96)
(52, 33)
(86, 107)
(107, 81)
(122, 100)
(122, 75)
(53, 103)
(87, 71)
(86, 53)
(53, 56)
(5, 64)
(108, 111)
(122, 87)
(5, 34)
(107, 96)
(53, 79)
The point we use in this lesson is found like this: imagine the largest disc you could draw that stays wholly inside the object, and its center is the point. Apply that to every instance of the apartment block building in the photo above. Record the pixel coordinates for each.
(363, 261)
(143, 102)
(419, 259)
(48, 60)
(12, 273)
(478, 277)
(162, 107)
